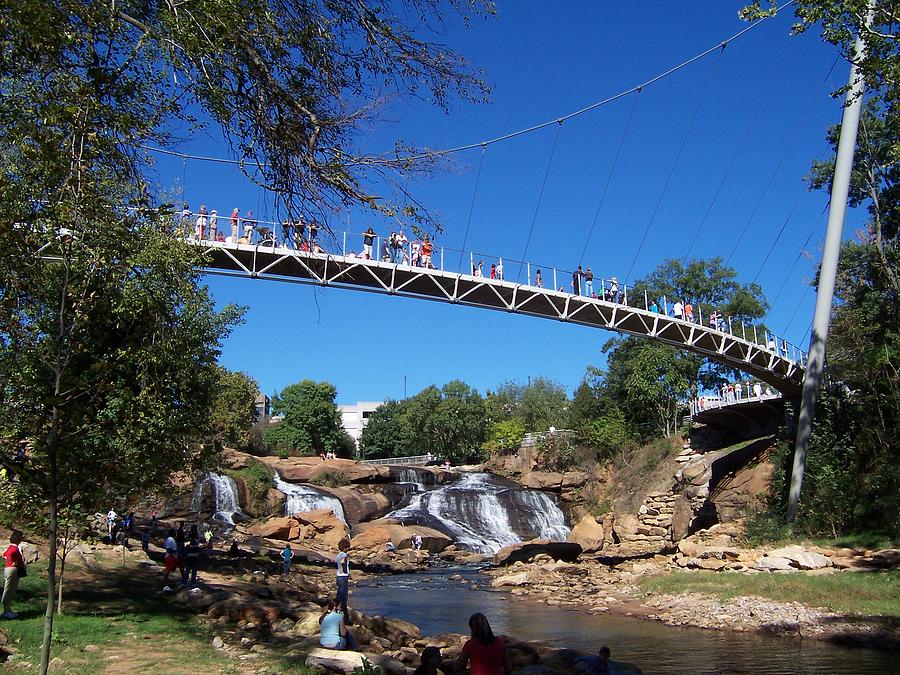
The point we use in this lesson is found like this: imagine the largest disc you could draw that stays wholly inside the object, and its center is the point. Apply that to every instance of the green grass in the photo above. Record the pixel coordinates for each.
(129, 623)
(857, 593)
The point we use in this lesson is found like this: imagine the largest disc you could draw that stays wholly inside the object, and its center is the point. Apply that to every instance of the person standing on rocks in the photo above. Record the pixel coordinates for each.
(287, 555)
(343, 577)
(486, 653)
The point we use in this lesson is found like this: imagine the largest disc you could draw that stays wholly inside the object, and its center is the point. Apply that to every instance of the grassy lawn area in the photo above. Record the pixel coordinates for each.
(117, 622)
(860, 593)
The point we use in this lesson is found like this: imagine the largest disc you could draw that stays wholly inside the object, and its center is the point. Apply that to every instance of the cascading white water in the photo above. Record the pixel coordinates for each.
(484, 514)
(302, 498)
(407, 476)
(225, 496)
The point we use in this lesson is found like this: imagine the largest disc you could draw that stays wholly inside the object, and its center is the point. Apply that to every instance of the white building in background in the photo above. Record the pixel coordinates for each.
(354, 417)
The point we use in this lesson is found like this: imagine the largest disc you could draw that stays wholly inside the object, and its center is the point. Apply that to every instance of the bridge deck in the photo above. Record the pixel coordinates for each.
(283, 264)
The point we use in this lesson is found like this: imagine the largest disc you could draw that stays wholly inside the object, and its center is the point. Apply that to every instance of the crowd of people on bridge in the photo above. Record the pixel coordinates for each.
(733, 392)
(398, 249)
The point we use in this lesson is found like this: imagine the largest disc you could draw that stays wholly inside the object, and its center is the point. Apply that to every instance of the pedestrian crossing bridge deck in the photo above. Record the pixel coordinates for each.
(325, 269)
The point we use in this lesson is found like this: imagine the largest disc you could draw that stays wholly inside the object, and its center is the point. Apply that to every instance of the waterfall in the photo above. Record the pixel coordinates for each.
(407, 476)
(301, 497)
(484, 513)
(225, 497)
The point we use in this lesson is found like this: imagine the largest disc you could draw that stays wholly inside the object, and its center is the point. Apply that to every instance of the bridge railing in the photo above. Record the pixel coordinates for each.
(705, 403)
(414, 460)
(299, 236)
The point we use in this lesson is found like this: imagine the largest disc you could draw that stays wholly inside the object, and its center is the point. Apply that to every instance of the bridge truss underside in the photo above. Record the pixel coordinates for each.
(279, 264)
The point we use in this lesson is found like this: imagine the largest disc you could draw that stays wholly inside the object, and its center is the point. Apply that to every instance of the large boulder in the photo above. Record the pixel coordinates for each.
(399, 632)
(317, 528)
(275, 528)
(307, 469)
(800, 558)
(345, 661)
(375, 535)
(359, 506)
(525, 551)
(550, 480)
(542, 480)
(320, 527)
(588, 534)
(234, 459)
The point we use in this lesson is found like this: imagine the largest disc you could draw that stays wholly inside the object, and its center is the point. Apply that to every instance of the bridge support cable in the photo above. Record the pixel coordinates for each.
(800, 253)
(777, 237)
(609, 177)
(762, 100)
(840, 189)
(784, 156)
(540, 198)
(462, 251)
(684, 140)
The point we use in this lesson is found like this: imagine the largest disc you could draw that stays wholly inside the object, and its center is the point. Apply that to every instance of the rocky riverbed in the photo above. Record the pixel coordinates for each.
(606, 584)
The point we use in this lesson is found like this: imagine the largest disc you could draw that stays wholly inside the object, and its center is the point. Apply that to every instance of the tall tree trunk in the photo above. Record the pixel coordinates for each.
(62, 572)
(53, 534)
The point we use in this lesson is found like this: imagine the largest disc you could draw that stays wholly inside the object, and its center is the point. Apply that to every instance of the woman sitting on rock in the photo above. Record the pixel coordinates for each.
(332, 629)
(487, 654)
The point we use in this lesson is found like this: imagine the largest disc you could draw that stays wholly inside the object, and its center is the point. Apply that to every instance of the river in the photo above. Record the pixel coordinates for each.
(439, 605)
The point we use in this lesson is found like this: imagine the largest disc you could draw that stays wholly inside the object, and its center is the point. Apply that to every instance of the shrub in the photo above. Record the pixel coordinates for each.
(330, 478)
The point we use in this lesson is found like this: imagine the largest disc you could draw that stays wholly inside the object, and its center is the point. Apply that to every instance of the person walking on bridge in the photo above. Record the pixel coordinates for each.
(426, 253)
(576, 280)
(588, 282)
(538, 279)
(235, 224)
(368, 240)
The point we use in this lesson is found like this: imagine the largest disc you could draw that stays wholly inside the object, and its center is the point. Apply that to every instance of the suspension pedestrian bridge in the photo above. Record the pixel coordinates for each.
(733, 344)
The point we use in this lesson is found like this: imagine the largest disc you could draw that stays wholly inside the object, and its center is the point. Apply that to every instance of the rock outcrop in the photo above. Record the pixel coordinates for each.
(525, 551)
(375, 535)
(589, 534)
(556, 482)
(317, 528)
(308, 469)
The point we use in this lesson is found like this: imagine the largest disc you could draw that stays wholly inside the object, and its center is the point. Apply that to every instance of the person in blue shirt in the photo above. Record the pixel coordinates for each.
(286, 556)
(333, 633)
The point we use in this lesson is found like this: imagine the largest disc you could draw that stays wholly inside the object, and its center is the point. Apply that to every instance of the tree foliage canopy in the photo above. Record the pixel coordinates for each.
(288, 83)
(234, 408)
(311, 424)
(450, 422)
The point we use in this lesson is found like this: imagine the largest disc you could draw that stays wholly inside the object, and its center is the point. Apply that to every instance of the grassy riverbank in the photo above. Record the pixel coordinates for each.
(875, 594)
(116, 621)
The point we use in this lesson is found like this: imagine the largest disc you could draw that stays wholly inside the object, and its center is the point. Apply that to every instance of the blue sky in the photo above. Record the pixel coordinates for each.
(544, 63)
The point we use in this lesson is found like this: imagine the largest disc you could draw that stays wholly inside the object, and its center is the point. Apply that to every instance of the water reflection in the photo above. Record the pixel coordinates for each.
(438, 605)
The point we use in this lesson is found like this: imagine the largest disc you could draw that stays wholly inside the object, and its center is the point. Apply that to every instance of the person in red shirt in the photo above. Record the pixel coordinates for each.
(485, 653)
(14, 569)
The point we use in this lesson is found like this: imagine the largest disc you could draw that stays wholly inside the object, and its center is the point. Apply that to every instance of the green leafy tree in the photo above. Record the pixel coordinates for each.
(609, 434)
(383, 435)
(107, 351)
(711, 286)
(505, 437)
(311, 424)
(458, 426)
(647, 382)
(115, 340)
(586, 406)
(233, 408)
(544, 404)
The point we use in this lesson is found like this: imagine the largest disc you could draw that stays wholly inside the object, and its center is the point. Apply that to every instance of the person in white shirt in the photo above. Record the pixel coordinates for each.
(171, 559)
(111, 521)
(678, 310)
